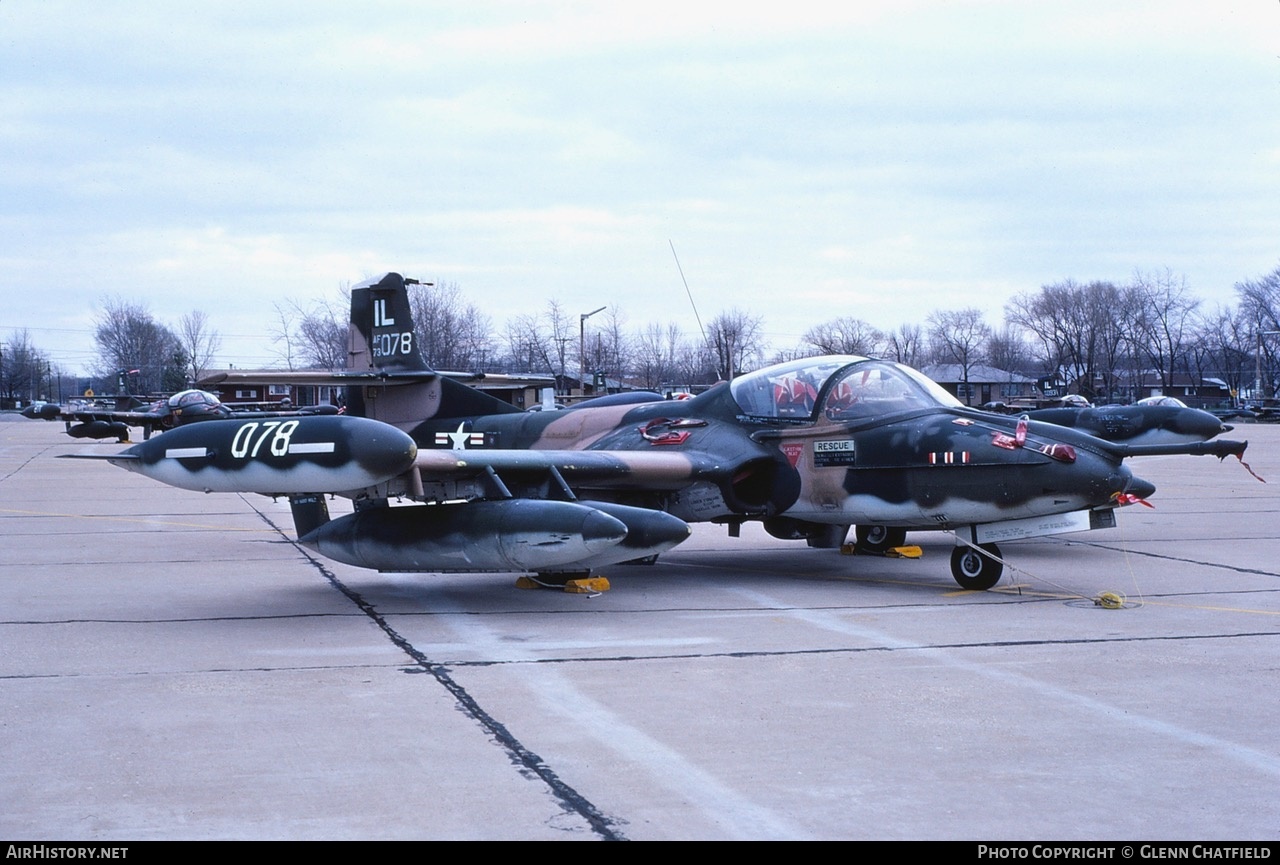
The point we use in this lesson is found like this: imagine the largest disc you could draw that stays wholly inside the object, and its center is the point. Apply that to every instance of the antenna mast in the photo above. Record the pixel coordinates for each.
(697, 317)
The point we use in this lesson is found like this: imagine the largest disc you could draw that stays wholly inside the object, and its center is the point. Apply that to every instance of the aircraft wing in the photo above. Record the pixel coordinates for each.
(133, 418)
(595, 469)
(52, 412)
(105, 423)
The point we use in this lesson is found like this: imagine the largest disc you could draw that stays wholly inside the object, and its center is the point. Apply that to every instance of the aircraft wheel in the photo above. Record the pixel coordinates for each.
(827, 537)
(975, 571)
(877, 539)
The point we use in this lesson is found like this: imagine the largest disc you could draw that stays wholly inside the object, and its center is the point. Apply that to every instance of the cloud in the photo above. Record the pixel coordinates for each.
(804, 158)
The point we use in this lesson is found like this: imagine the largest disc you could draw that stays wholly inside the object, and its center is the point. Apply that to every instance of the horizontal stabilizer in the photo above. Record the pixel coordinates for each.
(336, 378)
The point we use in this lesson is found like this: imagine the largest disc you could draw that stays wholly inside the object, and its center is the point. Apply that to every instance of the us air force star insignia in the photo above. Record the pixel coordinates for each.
(459, 438)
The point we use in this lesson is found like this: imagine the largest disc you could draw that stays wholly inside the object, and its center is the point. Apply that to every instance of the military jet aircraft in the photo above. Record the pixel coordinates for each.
(445, 478)
(84, 419)
(1167, 421)
(1154, 420)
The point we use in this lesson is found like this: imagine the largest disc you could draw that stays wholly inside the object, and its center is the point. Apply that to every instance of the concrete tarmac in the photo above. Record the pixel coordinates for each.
(175, 667)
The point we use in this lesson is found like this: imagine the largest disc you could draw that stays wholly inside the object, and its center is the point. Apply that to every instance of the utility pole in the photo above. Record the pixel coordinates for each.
(562, 340)
(1257, 368)
(582, 347)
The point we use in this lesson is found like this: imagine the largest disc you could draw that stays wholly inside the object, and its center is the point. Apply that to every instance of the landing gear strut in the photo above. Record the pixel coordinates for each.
(975, 571)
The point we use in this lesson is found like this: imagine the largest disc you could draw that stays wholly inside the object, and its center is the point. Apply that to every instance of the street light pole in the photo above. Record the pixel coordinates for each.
(1257, 369)
(582, 347)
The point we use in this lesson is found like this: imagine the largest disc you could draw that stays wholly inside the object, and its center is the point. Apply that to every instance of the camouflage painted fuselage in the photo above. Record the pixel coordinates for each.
(928, 467)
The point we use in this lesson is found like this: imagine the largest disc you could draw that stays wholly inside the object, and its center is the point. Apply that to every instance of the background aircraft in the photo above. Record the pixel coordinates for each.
(1155, 420)
(809, 448)
(84, 419)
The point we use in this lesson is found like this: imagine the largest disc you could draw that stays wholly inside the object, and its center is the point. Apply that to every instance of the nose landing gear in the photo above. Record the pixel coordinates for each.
(976, 569)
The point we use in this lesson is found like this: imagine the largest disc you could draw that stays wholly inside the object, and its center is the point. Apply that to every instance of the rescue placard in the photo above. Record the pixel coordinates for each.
(833, 453)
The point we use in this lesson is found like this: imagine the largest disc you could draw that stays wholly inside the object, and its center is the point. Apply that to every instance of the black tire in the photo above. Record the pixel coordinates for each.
(877, 539)
(827, 537)
(975, 571)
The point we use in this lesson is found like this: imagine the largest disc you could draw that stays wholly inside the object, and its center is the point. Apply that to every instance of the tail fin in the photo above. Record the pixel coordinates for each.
(381, 336)
(382, 340)
(309, 513)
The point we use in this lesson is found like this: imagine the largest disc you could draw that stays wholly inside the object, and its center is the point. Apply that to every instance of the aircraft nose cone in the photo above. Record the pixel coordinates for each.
(1140, 488)
(1201, 424)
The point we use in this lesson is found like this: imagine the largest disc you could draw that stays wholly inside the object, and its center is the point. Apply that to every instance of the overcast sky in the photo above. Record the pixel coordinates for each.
(873, 159)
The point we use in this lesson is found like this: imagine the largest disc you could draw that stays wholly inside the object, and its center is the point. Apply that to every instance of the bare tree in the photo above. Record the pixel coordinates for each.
(734, 336)
(199, 341)
(1008, 350)
(960, 337)
(846, 335)
(1260, 300)
(281, 332)
(653, 360)
(454, 335)
(130, 340)
(906, 345)
(323, 334)
(23, 368)
(1081, 330)
(313, 337)
(541, 343)
(528, 346)
(560, 334)
(1260, 306)
(1223, 341)
(1165, 322)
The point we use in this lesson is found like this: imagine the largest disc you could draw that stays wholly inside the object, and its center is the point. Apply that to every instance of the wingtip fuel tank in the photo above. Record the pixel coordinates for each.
(276, 456)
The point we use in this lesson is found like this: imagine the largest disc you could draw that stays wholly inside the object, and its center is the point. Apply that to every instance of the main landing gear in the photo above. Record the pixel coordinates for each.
(976, 569)
(878, 539)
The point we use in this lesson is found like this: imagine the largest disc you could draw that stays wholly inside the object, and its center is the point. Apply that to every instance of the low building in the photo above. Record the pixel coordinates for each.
(986, 383)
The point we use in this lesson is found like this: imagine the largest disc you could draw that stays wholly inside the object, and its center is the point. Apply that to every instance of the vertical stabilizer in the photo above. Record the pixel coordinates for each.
(381, 336)
(382, 340)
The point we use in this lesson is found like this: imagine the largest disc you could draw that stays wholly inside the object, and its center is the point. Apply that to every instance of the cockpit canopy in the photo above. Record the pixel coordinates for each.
(1169, 401)
(839, 387)
(190, 399)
